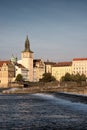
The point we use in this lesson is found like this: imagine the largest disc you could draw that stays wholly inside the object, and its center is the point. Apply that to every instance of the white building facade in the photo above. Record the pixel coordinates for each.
(79, 65)
(20, 69)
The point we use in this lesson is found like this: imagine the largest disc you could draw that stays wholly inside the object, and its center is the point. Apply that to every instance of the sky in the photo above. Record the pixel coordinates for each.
(57, 29)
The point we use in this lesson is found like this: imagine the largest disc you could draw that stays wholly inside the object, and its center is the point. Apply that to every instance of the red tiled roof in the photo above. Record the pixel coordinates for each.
(2, 62)
(77, 59)
(61, 64)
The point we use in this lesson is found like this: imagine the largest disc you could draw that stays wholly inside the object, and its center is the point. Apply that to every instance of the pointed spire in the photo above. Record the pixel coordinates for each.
(27, 37)
(27, 44)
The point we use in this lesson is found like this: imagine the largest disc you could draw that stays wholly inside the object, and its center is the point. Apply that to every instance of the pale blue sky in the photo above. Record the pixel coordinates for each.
(57, 29)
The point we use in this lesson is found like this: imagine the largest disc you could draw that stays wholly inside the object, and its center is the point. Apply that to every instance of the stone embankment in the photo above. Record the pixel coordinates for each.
(49, 88)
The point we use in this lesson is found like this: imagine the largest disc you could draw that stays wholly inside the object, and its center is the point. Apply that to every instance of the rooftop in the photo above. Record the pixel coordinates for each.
(61, 64)
(78, 59)
(2, 62)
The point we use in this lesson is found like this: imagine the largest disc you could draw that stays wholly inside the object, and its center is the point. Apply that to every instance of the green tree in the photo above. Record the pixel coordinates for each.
(47, 77)
(83, 77)
(19, 78)
(67, 77)
(62, 78)
(72, 77)
(77, 77)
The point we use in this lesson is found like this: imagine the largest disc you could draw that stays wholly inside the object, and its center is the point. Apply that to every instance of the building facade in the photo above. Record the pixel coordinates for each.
(60, 69)
(79, 65)
(7, 73)
(39, 69)
(48, 66)
(20, 69)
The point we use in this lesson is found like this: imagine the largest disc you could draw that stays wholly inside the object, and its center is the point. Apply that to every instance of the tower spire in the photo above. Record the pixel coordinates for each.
(27, 44)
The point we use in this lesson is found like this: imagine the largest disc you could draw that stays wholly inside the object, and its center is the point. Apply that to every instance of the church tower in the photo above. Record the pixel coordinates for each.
(27, 59)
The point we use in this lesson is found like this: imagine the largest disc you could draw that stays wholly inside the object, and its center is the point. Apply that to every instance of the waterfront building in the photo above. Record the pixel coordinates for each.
(27, 59)
(79, 65)
(33, 69)
(60, 69)
(20, 69)
(48, 66)
(7, 73)
(39, 69)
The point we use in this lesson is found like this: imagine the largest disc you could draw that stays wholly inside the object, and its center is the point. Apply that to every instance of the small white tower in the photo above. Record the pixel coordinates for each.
(27, 59)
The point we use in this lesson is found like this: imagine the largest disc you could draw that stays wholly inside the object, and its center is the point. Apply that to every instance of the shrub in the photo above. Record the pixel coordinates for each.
(19, 78)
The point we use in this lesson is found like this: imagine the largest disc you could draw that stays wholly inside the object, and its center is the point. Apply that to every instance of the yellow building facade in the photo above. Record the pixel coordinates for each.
(48, 66)
(60, 69)
(7, 73)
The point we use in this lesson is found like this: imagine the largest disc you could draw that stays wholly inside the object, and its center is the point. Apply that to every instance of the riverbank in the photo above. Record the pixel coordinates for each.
(46, 89)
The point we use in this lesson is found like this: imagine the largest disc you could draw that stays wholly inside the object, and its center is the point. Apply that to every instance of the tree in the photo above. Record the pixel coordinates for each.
(67, 77)
(83, 77)
(77, 77)
(47, 77)
(72, 77)
(19, 78)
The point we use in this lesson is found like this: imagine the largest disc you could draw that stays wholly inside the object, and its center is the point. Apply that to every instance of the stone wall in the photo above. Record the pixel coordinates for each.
(52, 87)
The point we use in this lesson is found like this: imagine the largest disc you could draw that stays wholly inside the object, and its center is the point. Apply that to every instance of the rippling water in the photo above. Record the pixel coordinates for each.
(41, 112)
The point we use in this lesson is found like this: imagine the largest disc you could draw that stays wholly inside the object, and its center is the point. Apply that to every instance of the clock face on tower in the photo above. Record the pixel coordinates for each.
(25, 55)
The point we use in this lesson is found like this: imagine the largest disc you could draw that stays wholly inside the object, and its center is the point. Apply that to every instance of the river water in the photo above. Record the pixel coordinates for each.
(41, 112)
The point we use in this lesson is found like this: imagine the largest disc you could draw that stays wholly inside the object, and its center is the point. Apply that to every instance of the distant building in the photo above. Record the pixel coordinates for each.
(27, 59)
(79, 65)
(33, 69)
(7, 73)
(20, 69)
(48, 66)
(39, 69)
(60, 69)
